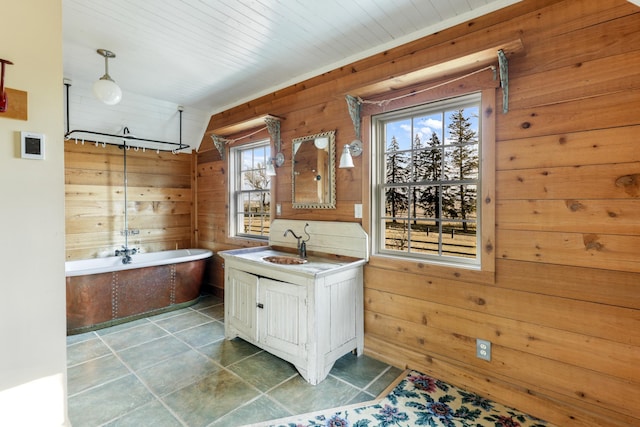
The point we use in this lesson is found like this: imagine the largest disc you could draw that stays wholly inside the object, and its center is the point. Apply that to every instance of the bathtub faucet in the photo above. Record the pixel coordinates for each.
(126, 253)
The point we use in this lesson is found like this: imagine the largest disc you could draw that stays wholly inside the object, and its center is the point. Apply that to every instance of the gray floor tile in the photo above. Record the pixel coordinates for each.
(207, 301)
(94, 372)
(177, 372)
(215, 312)
(122, 327)
(152, 414)
(203, 334)
(226, 352)
(263, 370)
(152, 352)
(183, 321)
(133, 336)
(212, 397)
(261, 409)
(86, 350)
(299, 397)
(361, 397)
(359, 371)
(74, 339)
(170, 313)
(107, 402)
(381, 383)
(192, 387)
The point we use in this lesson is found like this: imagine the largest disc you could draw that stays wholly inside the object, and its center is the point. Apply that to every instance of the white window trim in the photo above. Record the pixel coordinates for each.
(234, 167)
(486, 194)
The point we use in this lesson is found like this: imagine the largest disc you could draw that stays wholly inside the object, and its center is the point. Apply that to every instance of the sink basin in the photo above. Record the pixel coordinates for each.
(287, 260)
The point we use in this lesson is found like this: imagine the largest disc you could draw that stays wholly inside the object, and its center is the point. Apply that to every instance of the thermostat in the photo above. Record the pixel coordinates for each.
(32, 145)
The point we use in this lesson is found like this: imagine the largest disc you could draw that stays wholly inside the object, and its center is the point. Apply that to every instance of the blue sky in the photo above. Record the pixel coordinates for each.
(424, 127)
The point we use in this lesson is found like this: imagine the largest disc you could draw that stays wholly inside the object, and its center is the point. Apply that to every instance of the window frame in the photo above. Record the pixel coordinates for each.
(484, 270)
(235, 183)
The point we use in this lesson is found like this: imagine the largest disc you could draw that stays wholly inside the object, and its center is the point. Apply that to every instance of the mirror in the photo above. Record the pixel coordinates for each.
(314, 181)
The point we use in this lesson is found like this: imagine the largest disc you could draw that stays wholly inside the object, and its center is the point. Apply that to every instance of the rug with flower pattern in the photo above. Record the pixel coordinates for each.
(418, 400)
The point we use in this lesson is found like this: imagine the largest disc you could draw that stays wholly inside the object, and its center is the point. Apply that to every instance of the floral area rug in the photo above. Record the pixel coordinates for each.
(418, 400)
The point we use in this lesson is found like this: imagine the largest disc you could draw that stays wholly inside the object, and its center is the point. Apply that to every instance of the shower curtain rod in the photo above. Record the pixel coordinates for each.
(73, 134)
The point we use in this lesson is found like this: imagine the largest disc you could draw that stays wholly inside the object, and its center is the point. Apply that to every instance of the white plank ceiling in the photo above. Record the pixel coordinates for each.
(214, 54)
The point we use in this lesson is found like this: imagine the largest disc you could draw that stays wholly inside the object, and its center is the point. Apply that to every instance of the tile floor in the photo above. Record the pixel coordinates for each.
(176, 369)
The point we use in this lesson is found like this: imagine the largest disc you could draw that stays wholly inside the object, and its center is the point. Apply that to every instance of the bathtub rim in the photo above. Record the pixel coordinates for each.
(149, 259)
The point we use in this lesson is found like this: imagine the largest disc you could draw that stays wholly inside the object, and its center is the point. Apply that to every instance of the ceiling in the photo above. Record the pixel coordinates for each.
(214, 54)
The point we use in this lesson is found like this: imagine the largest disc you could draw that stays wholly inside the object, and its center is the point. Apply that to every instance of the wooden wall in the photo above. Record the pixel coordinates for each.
(563, 310)
(159, 193)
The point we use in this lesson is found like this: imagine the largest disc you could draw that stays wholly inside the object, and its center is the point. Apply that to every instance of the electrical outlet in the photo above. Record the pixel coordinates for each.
(483, 349)
(357, 210)
(278, 209)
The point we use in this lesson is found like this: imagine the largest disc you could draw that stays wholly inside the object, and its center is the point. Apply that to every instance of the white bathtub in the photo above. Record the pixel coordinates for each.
(114, 263)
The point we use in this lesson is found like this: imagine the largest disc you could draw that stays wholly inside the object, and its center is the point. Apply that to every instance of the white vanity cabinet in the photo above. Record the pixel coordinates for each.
(309, 314)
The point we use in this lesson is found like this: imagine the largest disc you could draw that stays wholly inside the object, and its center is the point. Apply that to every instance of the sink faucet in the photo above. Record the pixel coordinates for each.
(302, 244)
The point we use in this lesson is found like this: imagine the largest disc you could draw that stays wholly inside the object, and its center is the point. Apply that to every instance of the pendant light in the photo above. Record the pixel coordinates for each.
(105, 89)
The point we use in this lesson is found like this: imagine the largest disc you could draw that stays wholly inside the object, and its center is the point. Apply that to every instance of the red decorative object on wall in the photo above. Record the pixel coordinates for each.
(3, 94)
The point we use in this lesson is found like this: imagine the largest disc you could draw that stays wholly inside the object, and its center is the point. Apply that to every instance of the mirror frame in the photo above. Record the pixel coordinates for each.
(331, 203)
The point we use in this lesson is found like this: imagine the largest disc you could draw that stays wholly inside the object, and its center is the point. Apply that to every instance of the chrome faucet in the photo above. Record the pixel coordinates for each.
(126, 253)
(302, 244)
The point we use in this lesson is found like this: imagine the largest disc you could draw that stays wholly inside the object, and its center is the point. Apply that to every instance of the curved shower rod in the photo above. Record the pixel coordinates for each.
(76, 134)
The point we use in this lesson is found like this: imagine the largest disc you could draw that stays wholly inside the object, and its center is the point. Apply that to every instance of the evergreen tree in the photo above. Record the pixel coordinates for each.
(463, 162)
(396, 172)
(430, 168)
(418, 172)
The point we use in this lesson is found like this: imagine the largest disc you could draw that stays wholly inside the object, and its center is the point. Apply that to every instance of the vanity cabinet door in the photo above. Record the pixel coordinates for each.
(282, 318)
(240, 303)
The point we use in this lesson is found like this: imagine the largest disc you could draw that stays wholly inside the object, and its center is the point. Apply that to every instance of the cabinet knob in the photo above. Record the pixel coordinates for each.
(260, 305)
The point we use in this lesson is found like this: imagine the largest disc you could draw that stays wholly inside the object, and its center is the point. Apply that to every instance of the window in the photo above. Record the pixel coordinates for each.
(250, 189)
(427, 181)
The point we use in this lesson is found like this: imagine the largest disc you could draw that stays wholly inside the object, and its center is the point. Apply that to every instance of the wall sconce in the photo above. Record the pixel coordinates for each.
(105, 89)
(349, 152)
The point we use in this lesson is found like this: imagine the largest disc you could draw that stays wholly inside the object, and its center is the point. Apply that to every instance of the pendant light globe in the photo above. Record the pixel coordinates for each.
(105, 89)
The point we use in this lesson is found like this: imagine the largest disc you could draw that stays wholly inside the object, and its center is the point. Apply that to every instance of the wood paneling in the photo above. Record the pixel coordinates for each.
(159, 194)
(562, 309)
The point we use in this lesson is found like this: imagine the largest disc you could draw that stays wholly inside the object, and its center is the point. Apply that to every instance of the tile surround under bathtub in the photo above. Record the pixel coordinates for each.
(176, 369)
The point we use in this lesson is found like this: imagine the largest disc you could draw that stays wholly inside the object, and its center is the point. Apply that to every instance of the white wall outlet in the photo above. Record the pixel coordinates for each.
(483, 349)
(357, 210)
(278, 209)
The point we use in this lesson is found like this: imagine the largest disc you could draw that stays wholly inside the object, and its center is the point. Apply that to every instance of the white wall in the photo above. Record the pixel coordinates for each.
(32, 283)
